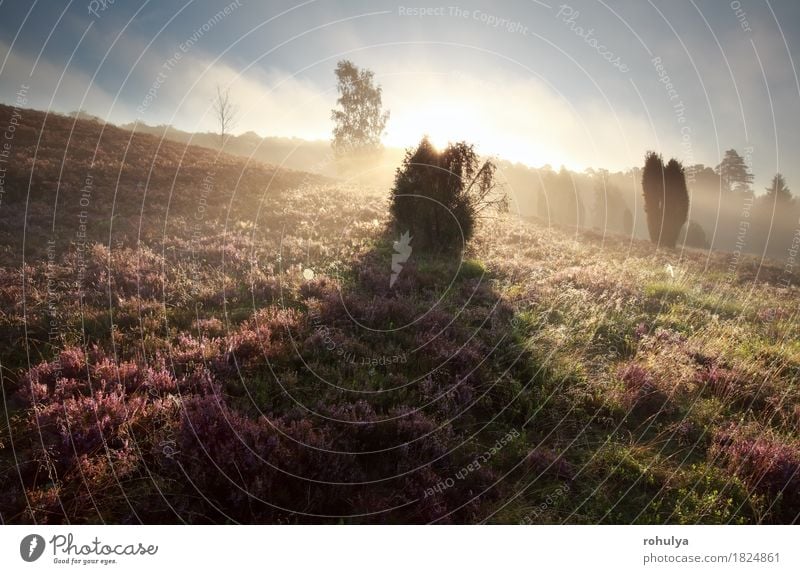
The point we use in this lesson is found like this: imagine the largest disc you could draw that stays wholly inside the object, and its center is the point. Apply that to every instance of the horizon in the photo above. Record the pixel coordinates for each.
(326, 142)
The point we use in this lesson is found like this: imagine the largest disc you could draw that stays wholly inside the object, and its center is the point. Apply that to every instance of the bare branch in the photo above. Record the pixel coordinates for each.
(226, 113)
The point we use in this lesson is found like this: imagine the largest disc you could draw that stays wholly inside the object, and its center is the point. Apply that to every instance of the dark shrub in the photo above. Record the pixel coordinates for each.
(438, 196)
(653, 191)
(676, 202)
(666, 199)
(695, 236)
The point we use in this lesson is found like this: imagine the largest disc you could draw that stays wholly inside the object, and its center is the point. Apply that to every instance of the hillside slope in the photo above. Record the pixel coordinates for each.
(121, 184)
(313, 156)
(248, 358)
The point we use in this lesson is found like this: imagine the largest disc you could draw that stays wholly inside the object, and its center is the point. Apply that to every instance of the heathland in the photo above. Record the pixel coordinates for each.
(190, 336)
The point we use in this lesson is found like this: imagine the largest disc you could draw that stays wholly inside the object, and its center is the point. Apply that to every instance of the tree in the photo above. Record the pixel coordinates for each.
(703, 180)
(565, 198)
(694, 236)
(553, 200)
(627, 221)
(225, 112)
(734, 172)
(548, 206)
(438, 196)
(609, 205)
(541, 205)
(666, 199)
(653, 192)
(360, 120)
(778, 191)
(676, 202)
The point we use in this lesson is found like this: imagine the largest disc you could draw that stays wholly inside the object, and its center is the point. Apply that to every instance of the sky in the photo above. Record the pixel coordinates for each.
(584, 84)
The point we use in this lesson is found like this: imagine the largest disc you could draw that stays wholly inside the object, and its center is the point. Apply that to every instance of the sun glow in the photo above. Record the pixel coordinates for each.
(507, 117)
(442, 122)
(511, 127)
(468, 120)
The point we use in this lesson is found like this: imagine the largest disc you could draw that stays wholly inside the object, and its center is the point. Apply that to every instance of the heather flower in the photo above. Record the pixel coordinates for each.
(763, 460)
(640, 390)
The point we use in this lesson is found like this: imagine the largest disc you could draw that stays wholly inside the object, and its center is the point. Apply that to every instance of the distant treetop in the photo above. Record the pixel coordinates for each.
(734, 172)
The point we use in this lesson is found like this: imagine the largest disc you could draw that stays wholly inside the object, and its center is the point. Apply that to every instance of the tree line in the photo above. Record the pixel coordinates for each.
(696, 206)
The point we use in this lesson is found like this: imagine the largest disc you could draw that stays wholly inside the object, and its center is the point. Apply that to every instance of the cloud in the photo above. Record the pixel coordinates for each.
(271, 103)
(516, 118)
(520, 119)
(51, 87)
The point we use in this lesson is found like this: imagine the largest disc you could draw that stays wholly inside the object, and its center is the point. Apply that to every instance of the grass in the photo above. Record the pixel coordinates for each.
(334, 396)
(666, 292)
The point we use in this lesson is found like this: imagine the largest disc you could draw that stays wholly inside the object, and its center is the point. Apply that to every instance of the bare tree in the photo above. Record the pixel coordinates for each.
(225, 111)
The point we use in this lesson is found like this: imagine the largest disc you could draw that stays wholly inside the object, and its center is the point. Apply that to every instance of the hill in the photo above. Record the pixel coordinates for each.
(226, 345)
(313, 156)
(60, 168)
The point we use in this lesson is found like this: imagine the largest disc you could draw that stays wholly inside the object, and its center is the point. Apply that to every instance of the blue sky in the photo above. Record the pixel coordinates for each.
(524, 79)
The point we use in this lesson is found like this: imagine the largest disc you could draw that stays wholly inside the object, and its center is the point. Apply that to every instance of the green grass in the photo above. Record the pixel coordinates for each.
(666, 292)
